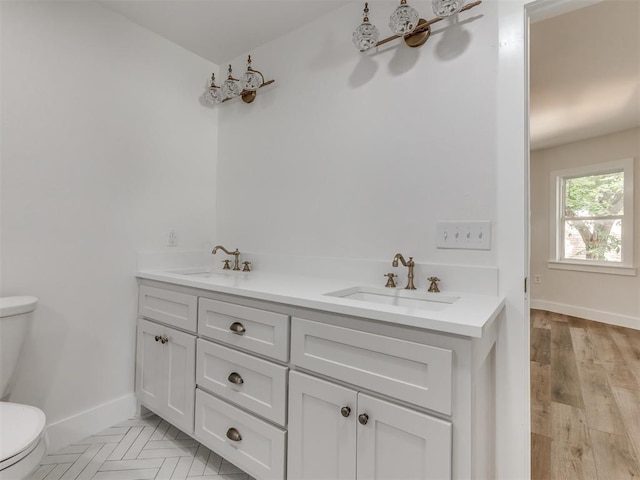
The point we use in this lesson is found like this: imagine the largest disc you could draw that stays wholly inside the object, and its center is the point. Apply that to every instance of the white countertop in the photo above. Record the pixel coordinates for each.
(470, 315)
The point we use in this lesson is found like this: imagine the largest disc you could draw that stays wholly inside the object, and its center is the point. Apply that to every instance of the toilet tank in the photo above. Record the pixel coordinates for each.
(15, 316)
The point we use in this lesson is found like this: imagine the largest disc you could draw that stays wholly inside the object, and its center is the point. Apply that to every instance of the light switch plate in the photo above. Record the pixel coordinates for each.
(464, 235)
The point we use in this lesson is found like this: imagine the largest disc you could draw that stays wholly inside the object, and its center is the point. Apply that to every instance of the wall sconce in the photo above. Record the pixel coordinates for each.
(245, 87)
(405, 23)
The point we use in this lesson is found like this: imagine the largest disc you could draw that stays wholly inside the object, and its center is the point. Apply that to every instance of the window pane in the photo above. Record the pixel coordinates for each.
(594, 195)
(593, 240)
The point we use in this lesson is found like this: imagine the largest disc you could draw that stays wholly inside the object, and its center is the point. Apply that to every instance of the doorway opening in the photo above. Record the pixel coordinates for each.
(584, 117)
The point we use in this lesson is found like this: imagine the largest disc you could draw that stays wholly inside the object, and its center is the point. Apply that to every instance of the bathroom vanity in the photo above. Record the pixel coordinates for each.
(288, 378)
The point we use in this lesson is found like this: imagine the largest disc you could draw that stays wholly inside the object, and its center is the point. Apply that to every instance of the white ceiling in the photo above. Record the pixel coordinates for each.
(585, 73)
(221, 30)
(585, 64)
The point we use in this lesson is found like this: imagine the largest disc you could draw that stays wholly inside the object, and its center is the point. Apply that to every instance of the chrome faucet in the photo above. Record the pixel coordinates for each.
(410, 264)
(236, 254)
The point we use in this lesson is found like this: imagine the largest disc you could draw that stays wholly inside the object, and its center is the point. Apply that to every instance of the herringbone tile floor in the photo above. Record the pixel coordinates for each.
(137, 449)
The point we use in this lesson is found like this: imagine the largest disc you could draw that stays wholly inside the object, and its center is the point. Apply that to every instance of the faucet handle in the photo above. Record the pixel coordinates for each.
(226, 265)
(246, 266)
(391, 283)
(434, 285)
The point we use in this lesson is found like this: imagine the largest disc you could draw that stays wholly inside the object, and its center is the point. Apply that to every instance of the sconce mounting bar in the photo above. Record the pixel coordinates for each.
(421, 33)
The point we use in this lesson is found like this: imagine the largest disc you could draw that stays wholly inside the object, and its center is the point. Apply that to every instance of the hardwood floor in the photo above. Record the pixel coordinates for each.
(585, 399)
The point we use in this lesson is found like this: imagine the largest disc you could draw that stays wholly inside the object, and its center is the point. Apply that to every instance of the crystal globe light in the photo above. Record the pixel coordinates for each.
(404, 19)
(251, 80)
(366, 35)
(445, 8)
(213, 95)
(231, 86)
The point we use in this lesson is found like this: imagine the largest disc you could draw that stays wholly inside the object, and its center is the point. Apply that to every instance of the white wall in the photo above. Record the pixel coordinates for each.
(105, 147)
(318, 158)
(602, 297)
(353, 156)
(358, 156)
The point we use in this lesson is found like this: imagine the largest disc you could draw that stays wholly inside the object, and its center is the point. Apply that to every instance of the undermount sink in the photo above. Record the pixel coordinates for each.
(199, 272)
(397, 297)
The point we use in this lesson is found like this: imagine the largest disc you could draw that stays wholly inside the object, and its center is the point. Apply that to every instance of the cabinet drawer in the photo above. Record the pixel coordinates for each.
(261, 449)
(176, 309)
(253, 383)
(259, 331)
(413, 372)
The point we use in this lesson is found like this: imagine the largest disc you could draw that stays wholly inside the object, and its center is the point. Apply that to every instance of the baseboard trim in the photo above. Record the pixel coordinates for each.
(72, 429)
(588, 314)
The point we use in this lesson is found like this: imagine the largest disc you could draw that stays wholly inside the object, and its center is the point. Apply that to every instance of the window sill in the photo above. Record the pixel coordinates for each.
(584, 267)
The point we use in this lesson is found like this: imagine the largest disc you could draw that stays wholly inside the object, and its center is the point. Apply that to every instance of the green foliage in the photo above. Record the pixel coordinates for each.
(595, 196)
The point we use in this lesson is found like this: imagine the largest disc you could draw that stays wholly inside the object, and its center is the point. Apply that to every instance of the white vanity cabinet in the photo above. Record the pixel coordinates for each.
(339, 433)
(286, 392)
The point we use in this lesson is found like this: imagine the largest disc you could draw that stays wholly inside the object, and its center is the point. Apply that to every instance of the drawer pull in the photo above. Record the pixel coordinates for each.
(235, 378)
(234, 435)
(345, 411)
(363, 418)
(237, 328)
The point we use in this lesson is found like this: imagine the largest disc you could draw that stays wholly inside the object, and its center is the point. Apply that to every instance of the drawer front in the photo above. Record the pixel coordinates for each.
(260, 448)
(413, 372)
(259, 331)
(250, 382)
(176, 309)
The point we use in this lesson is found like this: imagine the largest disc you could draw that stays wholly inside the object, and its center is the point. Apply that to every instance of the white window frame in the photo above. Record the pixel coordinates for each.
(556, 261)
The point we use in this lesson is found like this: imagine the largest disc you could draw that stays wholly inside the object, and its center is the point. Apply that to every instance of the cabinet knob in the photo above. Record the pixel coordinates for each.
(234, 435)
(345, 411)
(235, 378)
(164, 339)
(363, 418)
(158, 337)
(237, 328)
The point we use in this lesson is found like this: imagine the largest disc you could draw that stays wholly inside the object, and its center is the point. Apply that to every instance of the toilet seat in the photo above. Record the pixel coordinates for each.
(22, 433)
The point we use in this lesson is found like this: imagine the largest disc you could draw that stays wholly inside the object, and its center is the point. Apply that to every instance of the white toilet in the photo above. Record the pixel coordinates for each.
(22, 440)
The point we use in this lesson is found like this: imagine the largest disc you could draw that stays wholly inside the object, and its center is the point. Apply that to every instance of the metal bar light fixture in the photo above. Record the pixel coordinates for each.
(246, 87)
(405, 23)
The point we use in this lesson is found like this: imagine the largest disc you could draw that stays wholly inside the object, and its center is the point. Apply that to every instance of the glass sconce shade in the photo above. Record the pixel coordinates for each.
(404, 19)
(231, 86)
(445, 8)
(365, 36)
(213, 95)
(252, 80)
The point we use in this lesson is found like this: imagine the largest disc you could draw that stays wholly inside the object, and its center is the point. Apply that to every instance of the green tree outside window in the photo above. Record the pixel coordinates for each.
(594, 207)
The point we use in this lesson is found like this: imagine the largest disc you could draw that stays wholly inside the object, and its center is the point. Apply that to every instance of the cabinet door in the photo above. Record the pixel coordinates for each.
(180, 374)
(322, 441)
(149, 365)
(397, 443)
